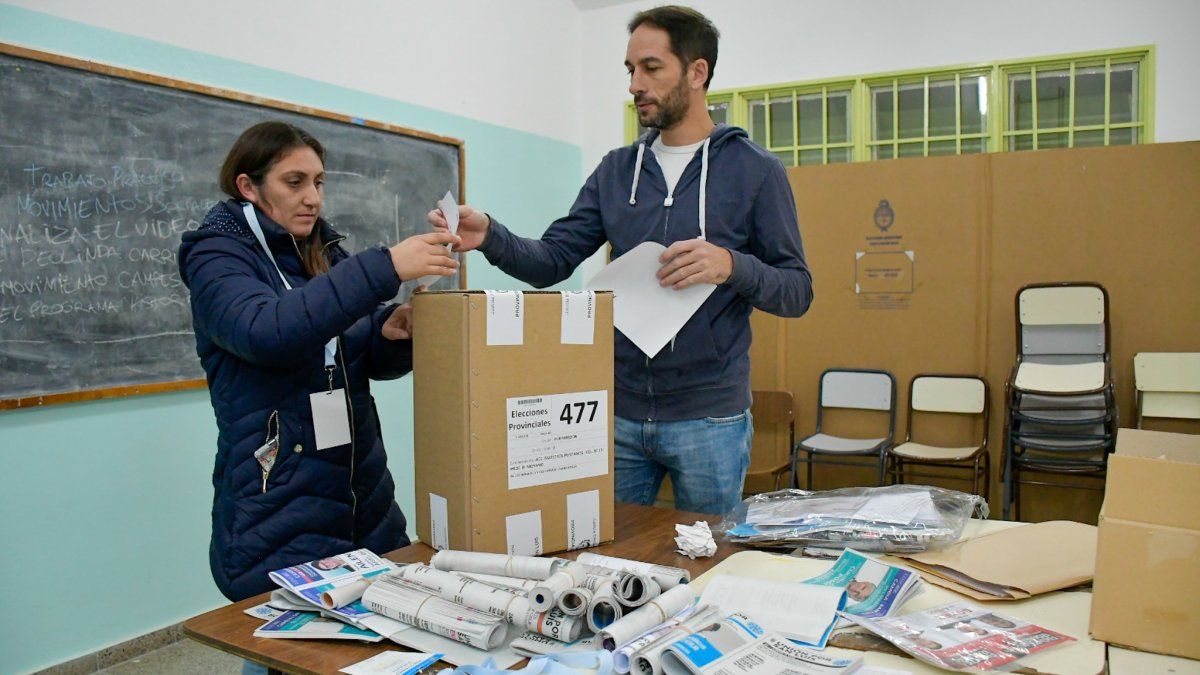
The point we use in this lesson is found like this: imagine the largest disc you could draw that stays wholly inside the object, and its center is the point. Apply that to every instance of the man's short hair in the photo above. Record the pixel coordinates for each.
(693, 36)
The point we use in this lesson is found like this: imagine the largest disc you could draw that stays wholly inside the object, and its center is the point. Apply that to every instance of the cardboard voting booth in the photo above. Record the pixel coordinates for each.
(1147, 585)
(513, 420)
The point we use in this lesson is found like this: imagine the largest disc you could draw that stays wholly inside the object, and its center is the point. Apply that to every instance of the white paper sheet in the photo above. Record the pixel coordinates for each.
(648, 314)
(583, 519)
(803, 612)
(439, 522)
(578, 317)
(505, 314)
(556, 437)
(524, 533)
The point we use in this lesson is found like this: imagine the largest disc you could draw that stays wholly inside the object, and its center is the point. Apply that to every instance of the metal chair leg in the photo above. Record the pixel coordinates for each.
(808, 457)
(882, 459)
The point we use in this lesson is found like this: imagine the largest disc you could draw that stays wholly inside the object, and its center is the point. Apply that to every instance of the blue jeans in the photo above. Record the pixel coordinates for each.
(707, 459)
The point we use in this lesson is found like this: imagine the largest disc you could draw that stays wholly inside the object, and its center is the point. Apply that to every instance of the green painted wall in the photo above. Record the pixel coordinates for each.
(104, 506)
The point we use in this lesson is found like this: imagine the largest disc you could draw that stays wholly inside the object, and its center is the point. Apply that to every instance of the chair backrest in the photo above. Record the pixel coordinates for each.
(1062, 319)
(774, 435)
(1168, 385)
(858, 389)
(957, 394)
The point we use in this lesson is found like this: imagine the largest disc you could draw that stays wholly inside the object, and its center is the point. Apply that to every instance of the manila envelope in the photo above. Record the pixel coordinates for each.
(1014, 563)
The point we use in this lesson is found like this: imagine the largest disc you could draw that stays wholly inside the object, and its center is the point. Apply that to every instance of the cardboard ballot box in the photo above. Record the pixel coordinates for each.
(1147, 587)
(513, 420)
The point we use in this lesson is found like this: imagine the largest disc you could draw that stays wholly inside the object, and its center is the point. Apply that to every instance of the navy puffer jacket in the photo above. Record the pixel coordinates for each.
(262, 348)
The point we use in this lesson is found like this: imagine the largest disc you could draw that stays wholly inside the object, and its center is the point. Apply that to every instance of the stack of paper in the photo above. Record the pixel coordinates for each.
(873, 589)
(802, 612)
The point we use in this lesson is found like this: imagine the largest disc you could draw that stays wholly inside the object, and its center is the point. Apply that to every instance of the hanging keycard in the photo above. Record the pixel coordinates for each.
(331, 423)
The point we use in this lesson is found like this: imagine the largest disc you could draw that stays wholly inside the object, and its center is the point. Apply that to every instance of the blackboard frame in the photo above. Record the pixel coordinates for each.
(216, 92)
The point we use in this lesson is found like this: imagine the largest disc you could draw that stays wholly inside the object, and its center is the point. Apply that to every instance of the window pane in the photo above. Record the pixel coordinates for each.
(758, 122)
(719, 112)
(881, 112)
(1123, 91)
(1089, 95)
(1053, 98)
(974, 105)
(1020, 103)
(973, 146)
(942, 148)
(839, 155)
(1087, 139)
(1058, 140)
(810, 157)
(912, 149)
(781, 122)
(1125, 136)
(912, 111)
(1022, 142)
(881, 152)
(941, 109)
(785, 156)
(838, 107)
(809, 110)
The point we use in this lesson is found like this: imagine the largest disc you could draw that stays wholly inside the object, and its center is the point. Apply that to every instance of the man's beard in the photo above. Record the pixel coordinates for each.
(671, 110)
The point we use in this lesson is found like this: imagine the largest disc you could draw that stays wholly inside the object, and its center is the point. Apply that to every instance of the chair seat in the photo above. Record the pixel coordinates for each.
(1059, 377)
(1054, 443)
(934, 452)
(841, 445)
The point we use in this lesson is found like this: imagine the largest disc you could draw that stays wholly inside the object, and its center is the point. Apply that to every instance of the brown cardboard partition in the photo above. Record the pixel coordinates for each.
(973, 230)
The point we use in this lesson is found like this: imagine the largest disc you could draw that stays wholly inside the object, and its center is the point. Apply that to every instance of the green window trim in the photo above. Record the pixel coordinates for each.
(992, 130)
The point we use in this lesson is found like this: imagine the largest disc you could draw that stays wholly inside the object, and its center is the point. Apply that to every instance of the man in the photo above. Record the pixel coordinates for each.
(723, 208)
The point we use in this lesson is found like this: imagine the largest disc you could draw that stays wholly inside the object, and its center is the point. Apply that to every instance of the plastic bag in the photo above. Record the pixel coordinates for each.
(889, 519)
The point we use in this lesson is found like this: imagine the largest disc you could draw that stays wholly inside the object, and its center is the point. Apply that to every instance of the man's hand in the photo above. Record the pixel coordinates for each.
(399, 325)
(694, 261)
(472, 227)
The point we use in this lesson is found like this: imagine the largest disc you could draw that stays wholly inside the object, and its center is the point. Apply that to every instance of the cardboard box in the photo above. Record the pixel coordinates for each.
(513, 420)
(1147, 586)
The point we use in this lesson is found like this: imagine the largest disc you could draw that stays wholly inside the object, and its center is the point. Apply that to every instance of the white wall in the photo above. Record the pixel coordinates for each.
(768, 41)
(505, 63)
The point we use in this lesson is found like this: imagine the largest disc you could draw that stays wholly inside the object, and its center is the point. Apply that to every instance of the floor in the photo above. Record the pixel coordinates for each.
(184, 657)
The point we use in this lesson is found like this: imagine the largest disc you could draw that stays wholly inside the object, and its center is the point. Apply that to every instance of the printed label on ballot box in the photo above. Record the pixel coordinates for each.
(556, 437)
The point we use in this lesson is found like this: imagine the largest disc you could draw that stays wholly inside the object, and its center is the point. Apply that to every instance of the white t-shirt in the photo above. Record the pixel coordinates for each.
(673, 159)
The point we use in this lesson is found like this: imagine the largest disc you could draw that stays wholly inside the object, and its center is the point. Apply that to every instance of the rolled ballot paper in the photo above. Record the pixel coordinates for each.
(667, 577)
(622, 654)
(398, 599)
(574, 601)
(637, 589)
(521, 586)
(340, 596)
(648, 659)
(522, 566)
(604, 608)
(652, 614)
(513, 607)
(567, 575)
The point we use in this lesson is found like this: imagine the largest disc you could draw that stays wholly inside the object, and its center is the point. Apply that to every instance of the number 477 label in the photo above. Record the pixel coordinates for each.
(556, 437)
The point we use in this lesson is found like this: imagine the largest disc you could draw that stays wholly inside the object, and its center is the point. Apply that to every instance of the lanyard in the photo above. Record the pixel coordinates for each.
(252, 219)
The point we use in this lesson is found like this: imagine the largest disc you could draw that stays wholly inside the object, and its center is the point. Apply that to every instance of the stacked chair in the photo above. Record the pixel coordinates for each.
(855, 389)
(1060, 399)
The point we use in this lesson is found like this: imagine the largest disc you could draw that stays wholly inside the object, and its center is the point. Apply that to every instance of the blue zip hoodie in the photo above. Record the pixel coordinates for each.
(734, 194)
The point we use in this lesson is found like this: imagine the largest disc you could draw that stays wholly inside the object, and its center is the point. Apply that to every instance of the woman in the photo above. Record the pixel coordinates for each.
(289, 329)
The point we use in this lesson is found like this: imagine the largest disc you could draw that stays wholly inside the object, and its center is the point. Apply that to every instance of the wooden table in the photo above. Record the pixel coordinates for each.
(642, 533)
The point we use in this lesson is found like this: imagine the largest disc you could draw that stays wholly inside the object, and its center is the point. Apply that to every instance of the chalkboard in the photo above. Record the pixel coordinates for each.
(103, 169)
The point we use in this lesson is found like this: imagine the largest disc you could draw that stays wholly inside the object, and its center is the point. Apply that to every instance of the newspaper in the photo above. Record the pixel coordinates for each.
(293, 624)
(393, 663)
(961, 636)
(403, 601)
(874, 589)
(710, 644)
(802, 612)
(771, 654)
(311, 580)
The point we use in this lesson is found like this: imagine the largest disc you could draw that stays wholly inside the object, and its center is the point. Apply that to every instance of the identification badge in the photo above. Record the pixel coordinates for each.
(331, 421)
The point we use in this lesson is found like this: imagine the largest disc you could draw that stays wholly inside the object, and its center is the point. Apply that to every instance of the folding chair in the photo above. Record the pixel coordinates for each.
(769, 457)
(873, 390)
(953, 394)
(1060, 399)
(1168, 385)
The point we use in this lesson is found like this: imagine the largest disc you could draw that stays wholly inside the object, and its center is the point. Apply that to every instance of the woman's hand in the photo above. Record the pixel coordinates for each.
(472, 226)
(399, 326)
(425, 255)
